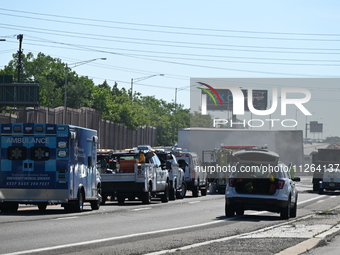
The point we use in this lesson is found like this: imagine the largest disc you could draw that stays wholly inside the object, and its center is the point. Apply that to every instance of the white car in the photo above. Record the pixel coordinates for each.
(260, 182)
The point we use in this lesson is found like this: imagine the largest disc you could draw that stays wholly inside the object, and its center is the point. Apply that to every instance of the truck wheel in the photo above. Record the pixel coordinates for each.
(146, 196)
(172, 193)
(120, 199)
(204, 192)
(79, 205)
(165, 196)
(180, 194)
(95, 205)
(42, 207)
(315, 186)
(9, 207)
(195, 190)
(104, 198)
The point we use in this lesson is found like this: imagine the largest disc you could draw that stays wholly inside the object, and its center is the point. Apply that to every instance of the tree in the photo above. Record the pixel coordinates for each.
(115, 104)
(199, 120)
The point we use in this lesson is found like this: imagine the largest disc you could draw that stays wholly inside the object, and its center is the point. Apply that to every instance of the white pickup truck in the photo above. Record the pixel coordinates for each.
(135, 174)
(177, 183)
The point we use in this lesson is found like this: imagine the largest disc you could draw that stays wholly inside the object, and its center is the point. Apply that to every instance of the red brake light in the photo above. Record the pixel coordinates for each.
(280, 184)
(231, 182)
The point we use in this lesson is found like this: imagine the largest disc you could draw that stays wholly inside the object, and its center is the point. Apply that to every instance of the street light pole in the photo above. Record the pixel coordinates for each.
(141, 79)
(66, 76)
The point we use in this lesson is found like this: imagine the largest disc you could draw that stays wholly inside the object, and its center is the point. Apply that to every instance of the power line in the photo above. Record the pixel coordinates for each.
(176, 32)
(192, 65)
(171, 27)
(206, 55)
(99, 36)
(244, 48)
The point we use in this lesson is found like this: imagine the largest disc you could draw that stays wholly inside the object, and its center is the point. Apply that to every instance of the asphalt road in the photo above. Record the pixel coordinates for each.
(188, 226)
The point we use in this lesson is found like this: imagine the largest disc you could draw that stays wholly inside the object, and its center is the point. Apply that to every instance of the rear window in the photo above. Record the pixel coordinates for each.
(129, 157)
(21, 153)
(258, 171)
(40, 153)
(16, 153)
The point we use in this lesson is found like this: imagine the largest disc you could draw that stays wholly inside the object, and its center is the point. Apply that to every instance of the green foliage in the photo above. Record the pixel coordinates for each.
(332, 139)
(199, 120)
(115, 104)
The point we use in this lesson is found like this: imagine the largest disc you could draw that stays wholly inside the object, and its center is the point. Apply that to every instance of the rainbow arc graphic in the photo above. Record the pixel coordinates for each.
(210, 94)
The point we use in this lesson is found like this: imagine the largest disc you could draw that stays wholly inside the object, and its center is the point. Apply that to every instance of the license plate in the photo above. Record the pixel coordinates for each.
(332, 184)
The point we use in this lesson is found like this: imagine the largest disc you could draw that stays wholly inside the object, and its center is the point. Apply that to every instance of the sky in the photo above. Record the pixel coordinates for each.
(162, 44)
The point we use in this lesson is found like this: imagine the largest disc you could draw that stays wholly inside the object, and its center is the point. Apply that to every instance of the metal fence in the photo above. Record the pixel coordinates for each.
(111, 135)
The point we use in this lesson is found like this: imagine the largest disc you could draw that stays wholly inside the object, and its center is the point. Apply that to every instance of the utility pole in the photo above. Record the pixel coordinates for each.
(19, 37)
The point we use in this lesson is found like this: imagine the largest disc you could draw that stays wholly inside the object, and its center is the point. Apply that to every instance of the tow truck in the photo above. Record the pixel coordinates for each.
(135, 173)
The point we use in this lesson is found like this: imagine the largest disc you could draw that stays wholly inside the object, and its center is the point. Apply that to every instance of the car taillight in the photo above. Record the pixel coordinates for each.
(280, 184)
(193, 175)
(231, 182)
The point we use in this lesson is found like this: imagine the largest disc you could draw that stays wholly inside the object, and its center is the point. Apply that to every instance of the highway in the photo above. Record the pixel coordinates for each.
(158, 228)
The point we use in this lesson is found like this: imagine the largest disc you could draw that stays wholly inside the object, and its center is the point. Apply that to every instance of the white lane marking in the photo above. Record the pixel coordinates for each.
(141, 209)
(113, 238)
(223, 239)
(320, 201)
(194, 202)
(308, 200)
(67, 218)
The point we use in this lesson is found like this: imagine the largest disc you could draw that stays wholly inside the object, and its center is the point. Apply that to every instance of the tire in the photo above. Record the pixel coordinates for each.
(165, 196)
(229, 211)
(315, 186)
(104, 198)
(121, 200)
(172, 192)
(180, 194)
(285, 212)
(9, 207)
(131, 198)
(42, 207)
(79, 205)
(95, 205)
(321, 191)
(239, 212)
(195, 190)
(146, 196)
(204, 192)
(293, 211)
